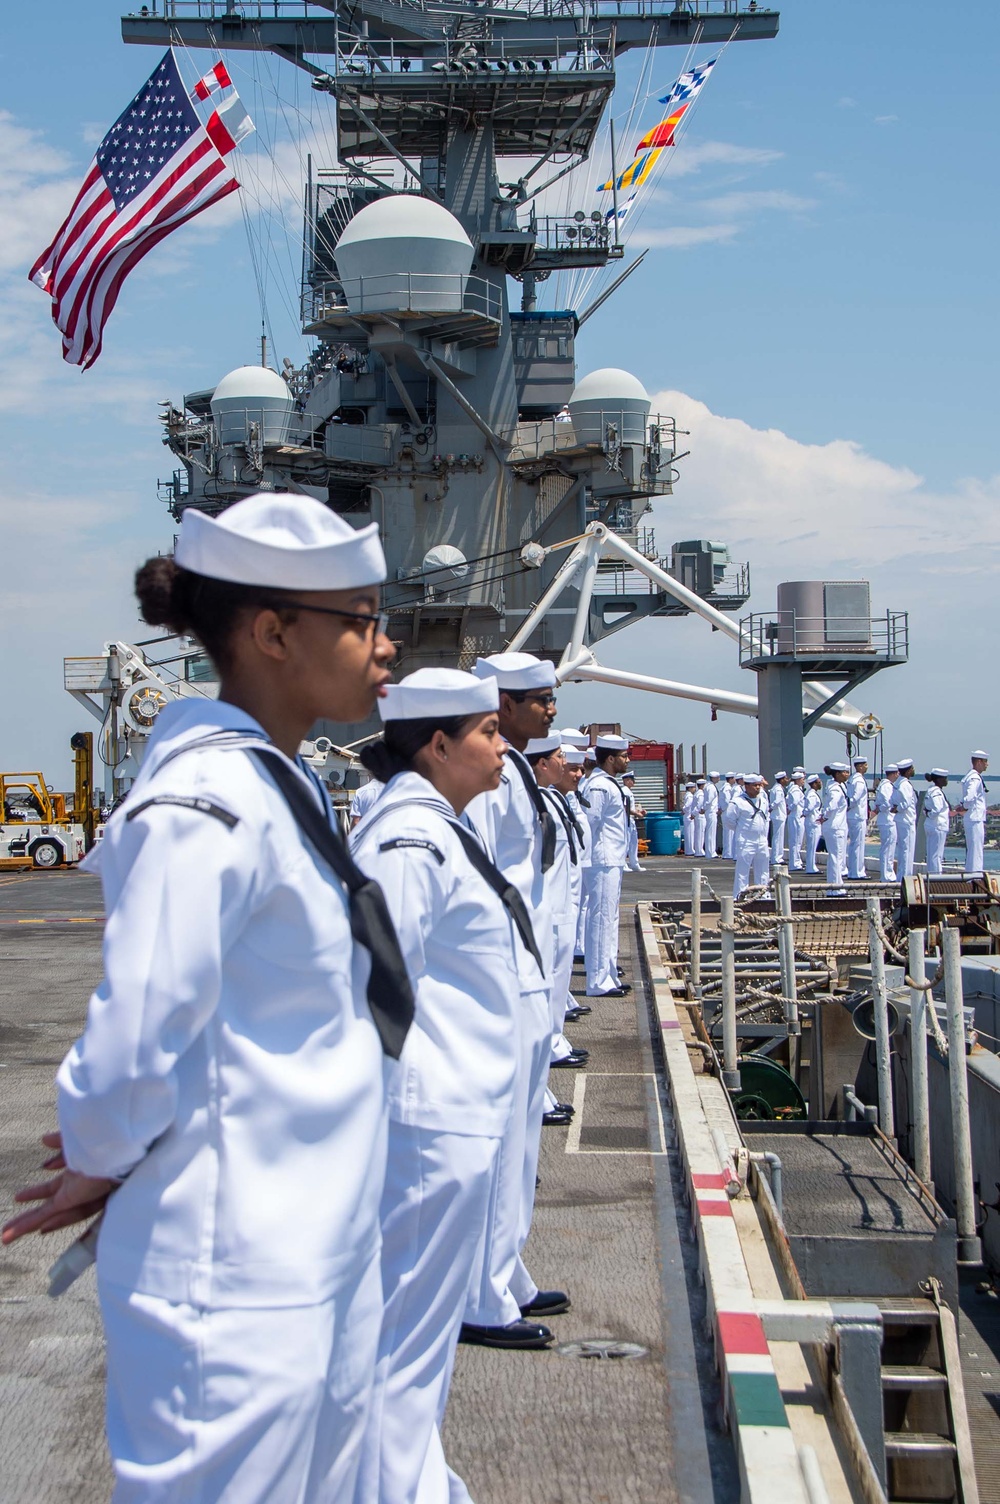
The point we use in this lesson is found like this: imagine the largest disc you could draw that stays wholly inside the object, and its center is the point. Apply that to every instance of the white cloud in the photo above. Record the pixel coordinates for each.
(692, 156)
(684, 237)
(886, 119)
(822, 511)
(755, 201)
(833, 505)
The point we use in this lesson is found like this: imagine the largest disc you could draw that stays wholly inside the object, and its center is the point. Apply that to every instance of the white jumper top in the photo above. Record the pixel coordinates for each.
(749, 817)
(974, 795)
(565, 877)
(883, 801)
(904, 802)
(229, 1067)
(835, 800)
(508, 823)
(608, 815)
(365, 798)
(456, 1072)
(581, 819)
(937, 810)
(857, 797)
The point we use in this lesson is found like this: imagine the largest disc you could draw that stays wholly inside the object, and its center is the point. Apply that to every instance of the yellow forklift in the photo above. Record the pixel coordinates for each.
(36, 827)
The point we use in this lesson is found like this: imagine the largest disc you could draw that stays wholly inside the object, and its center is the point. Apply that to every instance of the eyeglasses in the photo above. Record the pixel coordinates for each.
(520, 695)
(379, 621)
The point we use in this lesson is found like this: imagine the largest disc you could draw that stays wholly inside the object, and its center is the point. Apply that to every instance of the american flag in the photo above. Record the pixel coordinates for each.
(155, 169)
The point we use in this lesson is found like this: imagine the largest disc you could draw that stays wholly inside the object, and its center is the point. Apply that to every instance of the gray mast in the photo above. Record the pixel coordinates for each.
(430, 406)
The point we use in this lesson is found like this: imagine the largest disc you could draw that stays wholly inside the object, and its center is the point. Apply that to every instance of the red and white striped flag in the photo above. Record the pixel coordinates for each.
(229, 125)
(155, 169)
(215, 78)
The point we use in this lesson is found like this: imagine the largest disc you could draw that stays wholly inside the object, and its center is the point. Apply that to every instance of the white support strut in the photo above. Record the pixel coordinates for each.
(579, 663)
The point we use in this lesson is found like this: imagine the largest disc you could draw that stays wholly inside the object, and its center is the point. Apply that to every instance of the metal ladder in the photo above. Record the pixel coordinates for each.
(928, 1445)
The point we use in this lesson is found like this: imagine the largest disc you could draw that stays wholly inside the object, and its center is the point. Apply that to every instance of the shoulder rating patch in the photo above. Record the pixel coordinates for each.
(188, 801)
(401, 842)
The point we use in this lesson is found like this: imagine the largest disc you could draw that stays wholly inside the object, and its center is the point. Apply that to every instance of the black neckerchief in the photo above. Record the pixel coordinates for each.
(488, 871)
(565, 817)
(389, 993)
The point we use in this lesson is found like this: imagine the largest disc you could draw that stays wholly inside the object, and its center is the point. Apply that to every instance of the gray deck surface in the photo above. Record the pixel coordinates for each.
(610, 1227)
(838, 1184)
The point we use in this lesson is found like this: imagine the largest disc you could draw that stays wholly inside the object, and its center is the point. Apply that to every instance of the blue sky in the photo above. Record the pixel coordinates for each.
(819, 308)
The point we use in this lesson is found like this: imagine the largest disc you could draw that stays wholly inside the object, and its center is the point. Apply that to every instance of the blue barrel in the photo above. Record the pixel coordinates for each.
(663, 832)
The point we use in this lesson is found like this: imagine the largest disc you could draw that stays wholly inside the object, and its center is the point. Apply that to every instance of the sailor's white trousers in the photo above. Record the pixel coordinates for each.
(433, 1211)
(711, 836)
(887, 849)
(778, 838)
(796, 834)
(975, 840)
(752, 859)
(602, 930)
(857, 829)
(493, 1299)
(237, 1405)
(836, 854)
(906, 840)
(935, 850)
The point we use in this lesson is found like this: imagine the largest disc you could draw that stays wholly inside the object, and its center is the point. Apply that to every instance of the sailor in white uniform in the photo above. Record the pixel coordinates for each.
(609, 853)
(635, 812)
(563, 885)
(569, 785)
(519, 834)
(711, 802)
(937, 816)
(688, 813)
(795, 798)
(727, 792)
(363, 800)
(453, 1093)
(811, 812)
(904, 808)
(834, 821)
(779, 816)
(226, 1101)
(857, 819)
(972, 808)
(886, 823)
(748, 815)
(699, 818)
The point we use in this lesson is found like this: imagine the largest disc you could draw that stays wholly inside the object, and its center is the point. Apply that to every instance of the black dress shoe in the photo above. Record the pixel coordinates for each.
(580, 958)
(570, 1062)
(566, 1107)
(556, 1119)
(615, 992)
(547, 1303)
(573, 1015)
(520, 1334)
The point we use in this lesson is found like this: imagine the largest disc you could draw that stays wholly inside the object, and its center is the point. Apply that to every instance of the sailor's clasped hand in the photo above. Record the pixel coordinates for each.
(67, 1198)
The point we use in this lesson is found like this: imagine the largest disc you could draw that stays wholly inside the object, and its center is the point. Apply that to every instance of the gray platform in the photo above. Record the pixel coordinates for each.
(610, 1227)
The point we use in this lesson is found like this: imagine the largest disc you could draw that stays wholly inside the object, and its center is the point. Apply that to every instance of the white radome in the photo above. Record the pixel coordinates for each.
(403, 216)
(608, 397)
(609, 386)
(252, 394)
